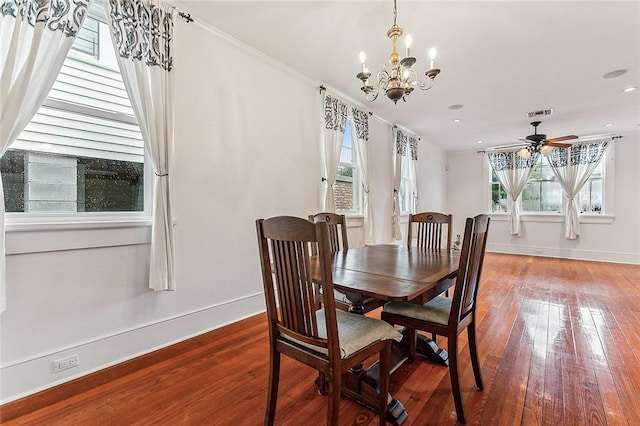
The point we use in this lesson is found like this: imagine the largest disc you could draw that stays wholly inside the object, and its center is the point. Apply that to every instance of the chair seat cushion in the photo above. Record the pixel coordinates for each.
(357, 331)
(436, 310)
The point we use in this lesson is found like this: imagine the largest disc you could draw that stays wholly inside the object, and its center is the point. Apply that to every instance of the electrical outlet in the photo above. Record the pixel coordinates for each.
(65, 363)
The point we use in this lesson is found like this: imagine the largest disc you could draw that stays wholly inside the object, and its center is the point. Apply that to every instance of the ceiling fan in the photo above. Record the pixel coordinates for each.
(538, 142)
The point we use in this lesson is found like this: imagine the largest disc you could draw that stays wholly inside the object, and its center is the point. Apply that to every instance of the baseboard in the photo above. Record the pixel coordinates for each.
(567, 253)
(26, 377)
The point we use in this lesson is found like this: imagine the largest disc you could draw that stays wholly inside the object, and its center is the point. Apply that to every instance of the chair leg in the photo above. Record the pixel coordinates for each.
(473, 349)
(383, 382)
(335, 385)
(454, 377)
(411, 335)
(274, 378)
(322, 383)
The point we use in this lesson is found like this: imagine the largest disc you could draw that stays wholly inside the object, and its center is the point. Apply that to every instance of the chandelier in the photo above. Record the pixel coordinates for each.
(399, 81)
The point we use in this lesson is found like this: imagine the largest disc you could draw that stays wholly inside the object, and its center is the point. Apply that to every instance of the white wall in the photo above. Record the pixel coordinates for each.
(241, 152)
(615, 239)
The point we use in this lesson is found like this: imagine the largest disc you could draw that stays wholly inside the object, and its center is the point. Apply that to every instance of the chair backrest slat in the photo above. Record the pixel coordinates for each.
(430, 227)
(470, 267)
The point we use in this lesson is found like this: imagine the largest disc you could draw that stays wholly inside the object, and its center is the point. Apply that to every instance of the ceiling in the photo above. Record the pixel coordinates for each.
(498, 59)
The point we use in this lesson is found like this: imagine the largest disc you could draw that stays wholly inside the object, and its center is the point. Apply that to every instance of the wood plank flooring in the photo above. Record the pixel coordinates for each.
(559, 343)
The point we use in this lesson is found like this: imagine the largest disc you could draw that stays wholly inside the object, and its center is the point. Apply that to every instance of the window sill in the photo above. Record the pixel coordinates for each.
(46, 233)
(555, 217)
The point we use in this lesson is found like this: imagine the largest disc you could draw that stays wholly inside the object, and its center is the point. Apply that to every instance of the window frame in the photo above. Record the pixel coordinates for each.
(58, 230)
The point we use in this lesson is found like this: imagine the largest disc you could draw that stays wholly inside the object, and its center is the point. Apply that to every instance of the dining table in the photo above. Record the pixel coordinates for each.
(388, 272)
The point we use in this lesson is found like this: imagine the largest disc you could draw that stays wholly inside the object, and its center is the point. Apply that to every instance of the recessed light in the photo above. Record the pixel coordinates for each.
(456, 106)
(630, 89)
(608, 125)
(479, 142)
(614, 74)
(456, 120)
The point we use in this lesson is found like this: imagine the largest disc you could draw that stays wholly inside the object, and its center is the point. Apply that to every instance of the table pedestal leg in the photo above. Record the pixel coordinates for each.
(429, 349)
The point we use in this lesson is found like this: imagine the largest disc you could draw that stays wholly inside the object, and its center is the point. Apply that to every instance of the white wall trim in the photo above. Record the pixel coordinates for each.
(33, 374)
(566, 253)
(554, 217)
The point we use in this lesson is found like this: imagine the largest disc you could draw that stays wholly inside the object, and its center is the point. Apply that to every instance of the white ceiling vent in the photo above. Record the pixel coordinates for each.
(540, 113)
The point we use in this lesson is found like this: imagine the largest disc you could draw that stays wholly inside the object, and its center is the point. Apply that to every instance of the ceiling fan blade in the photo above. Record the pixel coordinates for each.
(558, 144)
(505, 147)
(562, 138)
(528, 141)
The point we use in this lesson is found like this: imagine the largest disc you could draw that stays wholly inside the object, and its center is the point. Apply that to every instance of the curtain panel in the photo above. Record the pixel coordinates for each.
(400, 143)
(334, 121)
(142, 35)
(513, 172)
(572, 167)
(360, 134)
(413, 175)
(35, 38)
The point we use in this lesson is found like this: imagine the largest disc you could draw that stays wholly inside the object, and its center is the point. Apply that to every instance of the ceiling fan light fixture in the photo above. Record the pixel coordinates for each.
(524, 153)
(546, 150)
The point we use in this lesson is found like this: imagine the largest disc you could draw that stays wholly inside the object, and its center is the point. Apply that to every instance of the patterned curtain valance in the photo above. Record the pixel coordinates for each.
(586, 153)
(335, 113)
(63, 15)
(361, 122)
(143, 32)
(509, 160)
(413, 147)
(403, 141)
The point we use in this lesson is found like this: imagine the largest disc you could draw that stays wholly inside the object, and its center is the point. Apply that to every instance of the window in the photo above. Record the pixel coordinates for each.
(591, 196)
(82, 151)
(346, 190)
(543, 192)
(498, 195)
(405, 192)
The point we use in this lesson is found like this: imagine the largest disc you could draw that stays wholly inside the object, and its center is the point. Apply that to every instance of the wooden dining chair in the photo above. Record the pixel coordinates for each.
(430, 228)
(339, 242)
(449, 316)
(329, 340)
(337, 224)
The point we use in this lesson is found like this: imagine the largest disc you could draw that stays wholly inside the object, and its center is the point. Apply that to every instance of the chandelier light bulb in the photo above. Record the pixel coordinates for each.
(432, 57)
(407, 41)
(363, 60)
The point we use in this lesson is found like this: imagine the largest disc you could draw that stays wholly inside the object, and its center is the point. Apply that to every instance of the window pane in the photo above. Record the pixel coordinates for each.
(543, 193)
(83, 150)
(346, 189)
(498, 195)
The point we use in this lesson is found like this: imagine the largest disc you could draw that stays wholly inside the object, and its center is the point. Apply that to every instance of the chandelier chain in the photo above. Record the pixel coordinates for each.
(395, 14)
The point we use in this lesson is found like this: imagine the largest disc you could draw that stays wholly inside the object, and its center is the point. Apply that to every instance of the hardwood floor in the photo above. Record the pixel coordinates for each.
(559, 343)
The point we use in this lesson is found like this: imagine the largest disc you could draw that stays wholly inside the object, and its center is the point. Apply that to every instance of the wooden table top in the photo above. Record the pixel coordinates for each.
(392, 272)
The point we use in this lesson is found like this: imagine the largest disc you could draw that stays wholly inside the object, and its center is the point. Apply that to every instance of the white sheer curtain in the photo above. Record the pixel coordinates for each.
(360, 134)
(512, 172)
(142, 34)
(413, 173)
(35, 37)
(400, 152)
(573, 167)
(332, 134)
